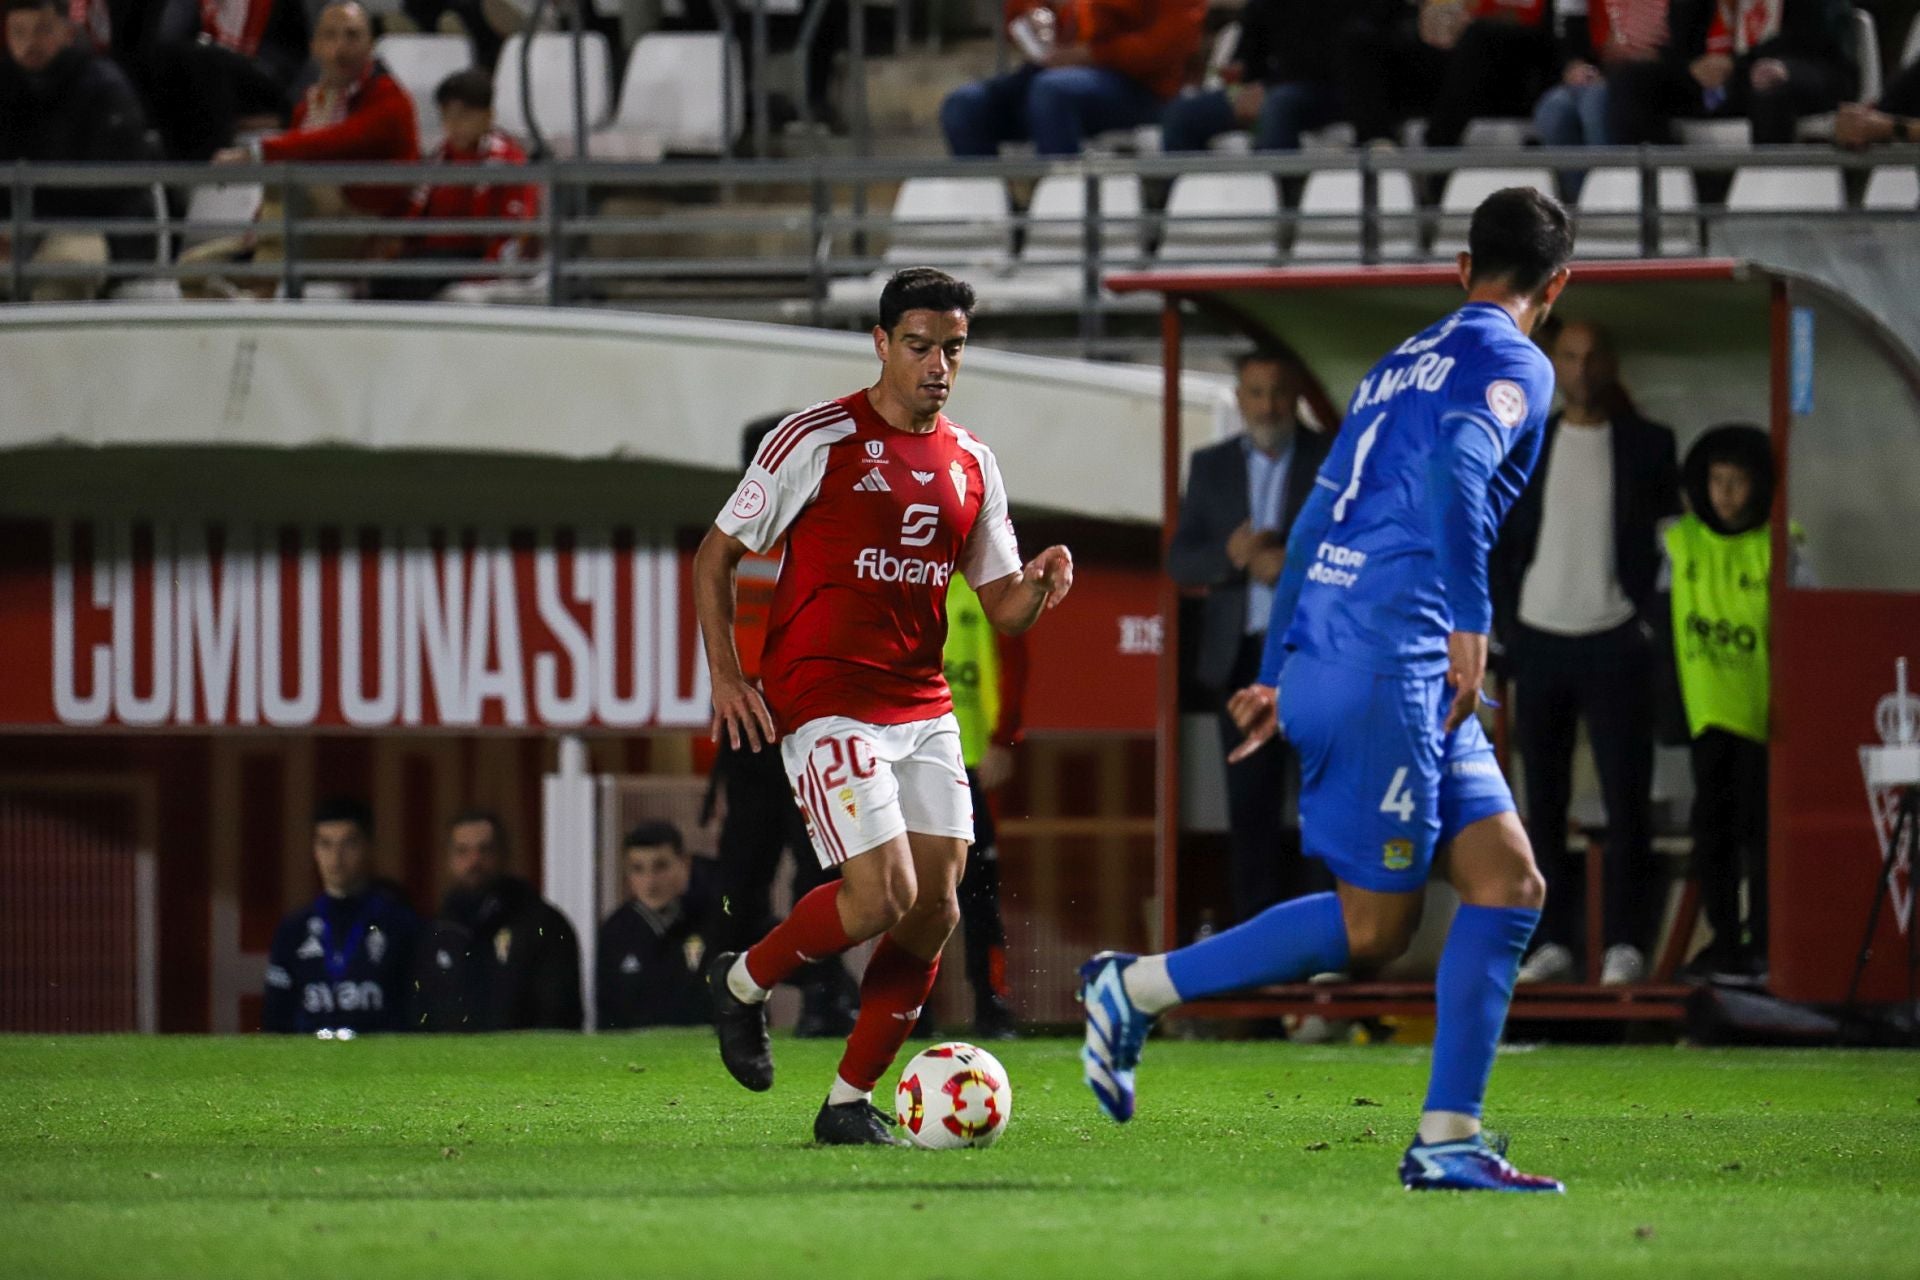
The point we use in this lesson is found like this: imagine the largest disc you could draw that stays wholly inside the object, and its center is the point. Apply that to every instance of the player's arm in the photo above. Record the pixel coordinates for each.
(1015, 602)
(1012, 595)
(1469, 449)
(780, 481)
(1255, 709)
(738, 710)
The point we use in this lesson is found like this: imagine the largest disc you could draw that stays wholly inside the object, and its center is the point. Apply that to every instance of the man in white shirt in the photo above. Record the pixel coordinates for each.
(1574, 577)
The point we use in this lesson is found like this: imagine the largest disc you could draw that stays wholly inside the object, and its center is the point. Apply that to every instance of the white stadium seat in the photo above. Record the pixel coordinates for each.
(420, 63)
(671, 101)
(1221, 218)
(951, 222)
(231, 202)
(1329, 230)
(1788, 189)
(1055, 218)
(1609, 213)
(1714, 133)
(550, 76)
(1892, 188)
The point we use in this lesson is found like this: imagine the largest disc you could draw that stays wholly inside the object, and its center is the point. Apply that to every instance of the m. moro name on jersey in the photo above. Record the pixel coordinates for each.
(883, 566)
(1336, 566)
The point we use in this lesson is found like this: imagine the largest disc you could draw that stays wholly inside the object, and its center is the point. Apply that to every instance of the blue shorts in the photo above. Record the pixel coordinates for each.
(1382, 784)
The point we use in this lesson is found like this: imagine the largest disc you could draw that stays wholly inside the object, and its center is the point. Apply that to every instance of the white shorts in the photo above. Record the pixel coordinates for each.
(860, 785)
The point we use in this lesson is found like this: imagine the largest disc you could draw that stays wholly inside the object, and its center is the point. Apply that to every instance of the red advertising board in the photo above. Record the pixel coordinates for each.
(109, 625)
(1828, 826)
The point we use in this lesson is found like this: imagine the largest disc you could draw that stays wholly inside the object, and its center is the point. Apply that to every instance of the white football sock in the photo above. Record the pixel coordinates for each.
(741, 983)
(1148, 986)
(843, 1093)
(1447, 1126)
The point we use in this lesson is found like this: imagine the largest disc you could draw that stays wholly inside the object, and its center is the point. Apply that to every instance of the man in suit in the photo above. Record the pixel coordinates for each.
(1242, 496)
(1573, 581)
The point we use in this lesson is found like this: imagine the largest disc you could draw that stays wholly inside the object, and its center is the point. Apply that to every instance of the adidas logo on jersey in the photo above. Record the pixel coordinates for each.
(874, 483)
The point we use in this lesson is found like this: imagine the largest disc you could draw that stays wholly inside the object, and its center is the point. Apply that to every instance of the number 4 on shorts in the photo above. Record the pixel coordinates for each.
(1399, 798)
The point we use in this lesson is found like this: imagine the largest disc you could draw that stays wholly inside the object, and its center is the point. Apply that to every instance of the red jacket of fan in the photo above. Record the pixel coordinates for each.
(499, 199)
(375, 122)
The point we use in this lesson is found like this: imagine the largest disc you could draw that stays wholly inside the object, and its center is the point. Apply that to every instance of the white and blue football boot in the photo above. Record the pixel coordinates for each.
(1116, 1031)
(1471, 1164)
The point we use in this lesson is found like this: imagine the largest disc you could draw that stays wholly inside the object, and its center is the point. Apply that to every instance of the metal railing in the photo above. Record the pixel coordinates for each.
(783, 236)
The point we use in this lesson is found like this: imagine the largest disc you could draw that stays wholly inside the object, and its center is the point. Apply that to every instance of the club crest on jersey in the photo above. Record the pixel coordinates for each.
(959, 475)
(876, 449)
(873, 482)
(924, 477)
(502, 945)
(376, 944)
(750, 501)
(1508, 402)
(1397, 855)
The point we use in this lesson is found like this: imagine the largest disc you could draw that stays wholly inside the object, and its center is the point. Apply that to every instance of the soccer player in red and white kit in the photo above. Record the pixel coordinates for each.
(881, 498)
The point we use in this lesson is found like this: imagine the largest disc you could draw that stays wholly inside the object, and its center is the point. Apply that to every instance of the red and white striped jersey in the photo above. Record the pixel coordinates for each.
(875, 520)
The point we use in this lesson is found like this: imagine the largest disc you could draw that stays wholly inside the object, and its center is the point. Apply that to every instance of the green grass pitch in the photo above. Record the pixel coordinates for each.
(635, 1156)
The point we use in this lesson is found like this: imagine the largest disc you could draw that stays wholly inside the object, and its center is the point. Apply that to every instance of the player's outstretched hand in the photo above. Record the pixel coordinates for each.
(1466, 669)
(1052, 569)
(741, 713)
(1255, 712)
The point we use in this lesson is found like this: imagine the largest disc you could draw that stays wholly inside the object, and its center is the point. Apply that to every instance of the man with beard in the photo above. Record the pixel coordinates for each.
(498, 957)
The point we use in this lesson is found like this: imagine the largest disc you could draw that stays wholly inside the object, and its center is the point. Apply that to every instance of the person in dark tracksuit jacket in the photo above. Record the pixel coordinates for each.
(343, 961)
(497, 957)
(648, 956)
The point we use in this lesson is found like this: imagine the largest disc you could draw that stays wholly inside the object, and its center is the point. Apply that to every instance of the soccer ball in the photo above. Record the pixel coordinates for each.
(954, 1095)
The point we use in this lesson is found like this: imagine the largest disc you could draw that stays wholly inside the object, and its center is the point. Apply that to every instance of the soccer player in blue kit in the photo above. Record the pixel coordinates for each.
(1373, 669)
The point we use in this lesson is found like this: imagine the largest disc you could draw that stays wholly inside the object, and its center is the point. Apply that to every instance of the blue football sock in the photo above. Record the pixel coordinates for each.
(1477, 970)
(1282, 944)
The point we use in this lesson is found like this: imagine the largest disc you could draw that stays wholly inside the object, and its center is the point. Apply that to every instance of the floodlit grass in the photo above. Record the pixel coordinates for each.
(635, 1156)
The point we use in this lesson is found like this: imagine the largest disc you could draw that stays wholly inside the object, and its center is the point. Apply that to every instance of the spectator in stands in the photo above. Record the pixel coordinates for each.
(345, 960)
(762, 822)
(1280, 82)
(1609, 35)
(355, 111)
(60, 102)
(1769, 61)
(1242, 497)
(1392, 62)
(649, 951)
(1096, 66)
(465, 100)
(472, 19)
(1719, 562)
(1574, 587)
(498, 957)
(214, 66)
(1895, 118)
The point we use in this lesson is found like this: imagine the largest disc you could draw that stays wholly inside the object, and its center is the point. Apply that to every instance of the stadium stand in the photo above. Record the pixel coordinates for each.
(420, 62)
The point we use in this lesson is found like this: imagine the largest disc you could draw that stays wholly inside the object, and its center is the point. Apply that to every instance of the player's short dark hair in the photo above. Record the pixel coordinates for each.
(923, 289)
(470, 88)
(649, 835)
(1268, 353)
(1521, 236)
(332, 808)
(474, 813)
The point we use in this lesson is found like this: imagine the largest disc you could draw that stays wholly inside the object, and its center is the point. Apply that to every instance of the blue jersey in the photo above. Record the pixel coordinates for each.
(1390, 553)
